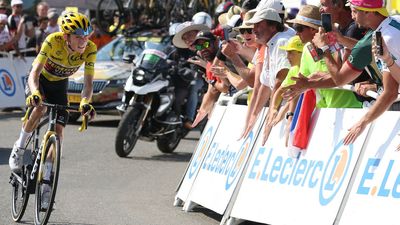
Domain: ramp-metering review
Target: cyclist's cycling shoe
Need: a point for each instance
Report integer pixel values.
(16, 159)
(45, 197)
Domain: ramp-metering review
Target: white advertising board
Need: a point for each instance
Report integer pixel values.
(11, 89)
(281, 190)
(224, 162)
(200, 151)
(375, 195)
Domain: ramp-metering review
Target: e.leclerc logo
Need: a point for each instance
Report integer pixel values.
(7, 83)
(224, 161)
(335, 172)
(201, 150)
(277, 169)
(240, 161)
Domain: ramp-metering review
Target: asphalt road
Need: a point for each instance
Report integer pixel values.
(98, 187)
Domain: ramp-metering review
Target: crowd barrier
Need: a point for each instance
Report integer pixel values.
(329, 183)
(13, 71)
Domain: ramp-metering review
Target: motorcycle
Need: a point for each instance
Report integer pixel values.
(148, 102)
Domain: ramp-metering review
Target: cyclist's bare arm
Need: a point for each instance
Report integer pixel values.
(88, 86)
(33, 79)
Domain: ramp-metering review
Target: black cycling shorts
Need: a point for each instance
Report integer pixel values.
(54, 92)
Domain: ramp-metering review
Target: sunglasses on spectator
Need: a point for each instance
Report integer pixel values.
(244, 30)
(202, 46)
(299, 28)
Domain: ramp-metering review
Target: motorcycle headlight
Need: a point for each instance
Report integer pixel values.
(139, 77)
(140, 72)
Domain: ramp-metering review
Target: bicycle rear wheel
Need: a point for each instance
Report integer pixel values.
(20, 196)
(46, 189)
(20, 193)
(106, 11)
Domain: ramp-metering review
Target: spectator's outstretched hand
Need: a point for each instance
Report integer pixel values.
(198, 61)
(249, 127)
(294, 90)
(201, 114)
(354, 132)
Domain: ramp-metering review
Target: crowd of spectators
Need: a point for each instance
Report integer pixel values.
(256, 46)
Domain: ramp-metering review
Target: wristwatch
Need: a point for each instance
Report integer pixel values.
(289, 114)
(324, 48)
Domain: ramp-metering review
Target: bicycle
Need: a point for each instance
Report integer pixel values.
(30, 179)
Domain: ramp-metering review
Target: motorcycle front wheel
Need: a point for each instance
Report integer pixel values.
(127, 134)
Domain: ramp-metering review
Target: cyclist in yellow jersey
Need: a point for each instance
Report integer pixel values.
(61, 55)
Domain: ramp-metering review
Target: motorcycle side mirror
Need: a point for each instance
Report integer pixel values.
(128, 58)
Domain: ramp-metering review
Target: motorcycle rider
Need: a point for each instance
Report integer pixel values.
(182, 78)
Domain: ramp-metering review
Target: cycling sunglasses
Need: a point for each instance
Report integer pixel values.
(80, 31)
(244, 30)
(202, 46)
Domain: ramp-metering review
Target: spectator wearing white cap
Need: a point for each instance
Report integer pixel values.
(280, 8)
(5, 37)
(3, 7)
(268, 28)
(14, 21)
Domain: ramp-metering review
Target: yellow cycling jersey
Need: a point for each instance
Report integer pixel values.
(58, 63)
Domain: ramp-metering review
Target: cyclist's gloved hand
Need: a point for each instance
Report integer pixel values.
(35, 99)
(88, 113)
(86, 108)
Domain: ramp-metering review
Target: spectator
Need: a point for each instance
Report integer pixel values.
(294, 50)
(269, 30)
(15, 19)
(5, 37)
(207, 45)
(52, 26)
(3, 7)
(329, 98)
(373, 15)
(347, 34)
(98, 36)
(40, 32)
(249, 50)
(42, 9)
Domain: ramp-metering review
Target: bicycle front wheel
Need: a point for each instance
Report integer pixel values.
(47, 180)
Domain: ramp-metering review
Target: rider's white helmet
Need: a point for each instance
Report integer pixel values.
(172, 28)
(202, 18)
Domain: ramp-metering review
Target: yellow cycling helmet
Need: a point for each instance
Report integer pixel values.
(75, 23)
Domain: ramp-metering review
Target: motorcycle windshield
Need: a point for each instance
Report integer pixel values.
(153, 55)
